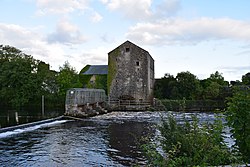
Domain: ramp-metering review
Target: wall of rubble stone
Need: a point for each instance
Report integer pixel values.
(130, 73)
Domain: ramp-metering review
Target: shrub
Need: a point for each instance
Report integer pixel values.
(238, 116)
(193, 105)
(190, 145)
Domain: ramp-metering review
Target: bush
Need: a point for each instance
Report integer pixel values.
(238, 116)
(190, 145)
(193, 105)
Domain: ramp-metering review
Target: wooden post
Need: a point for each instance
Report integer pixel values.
(16, 116)
(42, 105)
(8, 117)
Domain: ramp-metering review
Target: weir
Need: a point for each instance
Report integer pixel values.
(84, 102)
(2, 130)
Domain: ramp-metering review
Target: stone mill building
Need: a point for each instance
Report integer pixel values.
(130, 73)
(128, 80)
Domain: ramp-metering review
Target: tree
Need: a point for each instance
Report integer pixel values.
(17, 76)
(67, 78)
(212, 91)
(218, 78)
(165, 87)
(47, 79)
(215, 87)
(188, 85)
(246, 79)
(238, 116)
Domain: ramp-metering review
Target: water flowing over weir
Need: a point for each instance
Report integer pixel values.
(111, 139)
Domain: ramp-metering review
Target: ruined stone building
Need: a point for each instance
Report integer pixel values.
(130, 73)
(128, 80)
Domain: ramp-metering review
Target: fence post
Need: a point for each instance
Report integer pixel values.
(42, 105)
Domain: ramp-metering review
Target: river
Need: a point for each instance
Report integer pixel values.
(112, 139)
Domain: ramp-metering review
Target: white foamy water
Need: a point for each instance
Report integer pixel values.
(31, 128)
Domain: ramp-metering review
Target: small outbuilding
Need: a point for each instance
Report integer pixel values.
(83, 102)
(94, 76)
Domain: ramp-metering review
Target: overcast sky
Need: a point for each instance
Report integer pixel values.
(199, 36)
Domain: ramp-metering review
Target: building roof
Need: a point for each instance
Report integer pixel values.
(128, 42)
(97, 70)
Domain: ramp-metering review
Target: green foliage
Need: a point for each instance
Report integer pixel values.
(246, 79)
(238, 116)
(193, 105)
(185, 85)
(46, 80)
(112, 67)
(188, 85)
(84, 79)
(190, 145)
(67, 78)
(18, 82)
(212, 90)
(218, 78)
(166, 87)
(214, 87)
(100, 81)
(23, 80)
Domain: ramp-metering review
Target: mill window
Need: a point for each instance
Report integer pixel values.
(127, 49)
(137, 63)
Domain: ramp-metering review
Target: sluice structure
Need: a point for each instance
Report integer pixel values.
(84, 102)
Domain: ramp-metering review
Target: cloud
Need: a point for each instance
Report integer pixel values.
(167, 8)
(66, 33)
(107, 38)
(181, 31)
(8, 32)
(95, 56)
(143, 9)
(244, 52)
(95, 17)
(66, 8)
(60, 7)
(235, 72)
(31, 42)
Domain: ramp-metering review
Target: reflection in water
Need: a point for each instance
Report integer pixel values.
(107, 140)
(124, 139)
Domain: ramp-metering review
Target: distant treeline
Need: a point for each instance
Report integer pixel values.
(186, 92)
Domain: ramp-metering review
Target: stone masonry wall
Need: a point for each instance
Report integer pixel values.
(132, 70)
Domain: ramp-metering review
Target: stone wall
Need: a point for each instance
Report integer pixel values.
(130, 73)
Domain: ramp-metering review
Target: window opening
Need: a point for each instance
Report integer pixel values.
(127, 49)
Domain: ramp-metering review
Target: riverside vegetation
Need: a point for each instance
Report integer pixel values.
(192, 144)
(23, 80)
(189, 144)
